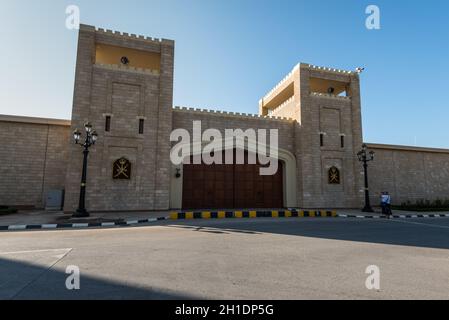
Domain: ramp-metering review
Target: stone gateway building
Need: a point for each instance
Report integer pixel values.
(124, 88)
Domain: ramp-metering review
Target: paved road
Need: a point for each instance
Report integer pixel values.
(232, 259)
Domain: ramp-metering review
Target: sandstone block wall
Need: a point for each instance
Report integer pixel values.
(408, 173)
(33, 159)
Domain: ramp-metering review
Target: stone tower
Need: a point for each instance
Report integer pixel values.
(326, 104)
(124, 88)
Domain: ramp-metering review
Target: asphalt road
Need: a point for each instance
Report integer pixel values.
(232, 259)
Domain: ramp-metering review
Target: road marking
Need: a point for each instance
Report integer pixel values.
(80, 225)
(33, 251)
(59, 257)
(49, 226)
(108, 224)
(15, 227)
(422, 224)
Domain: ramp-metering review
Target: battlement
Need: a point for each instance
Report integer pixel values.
(116, 67)
(125, 35)
(284, 104)
(329, 96)
(326, 69)
(280, 83)
(286, 79)
(230, 114)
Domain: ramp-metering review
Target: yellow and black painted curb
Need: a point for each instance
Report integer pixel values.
(187, 215)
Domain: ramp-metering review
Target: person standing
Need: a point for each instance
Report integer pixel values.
(388, 204)
(383, 202)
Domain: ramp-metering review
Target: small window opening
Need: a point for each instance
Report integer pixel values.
(321, 139)
(342, 141)
(141, 125)
(107, 124)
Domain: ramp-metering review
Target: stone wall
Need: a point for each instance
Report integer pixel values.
(409, 173)
(33, 159)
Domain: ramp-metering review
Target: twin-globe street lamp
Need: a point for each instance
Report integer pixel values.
(91, 138)
(366, 157)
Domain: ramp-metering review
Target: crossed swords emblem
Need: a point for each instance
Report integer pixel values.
(333, 176)
(121, 169)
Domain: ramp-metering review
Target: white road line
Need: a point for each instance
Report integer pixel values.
(49, 226)
(422, 224)
(59, 258)
(34, 251)
(108, 224)
(80, 225)
(23, 227)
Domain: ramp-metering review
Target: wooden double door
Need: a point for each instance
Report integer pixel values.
(229, 186)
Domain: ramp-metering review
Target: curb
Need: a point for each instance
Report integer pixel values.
(215, 215)
(406, 216)
(252, 214)
(115, 223)
(177, 216)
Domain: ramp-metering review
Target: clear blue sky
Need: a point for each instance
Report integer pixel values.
(229, 53)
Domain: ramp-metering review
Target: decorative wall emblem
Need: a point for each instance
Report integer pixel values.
(121, 169)
(124, 61)
(334, 175)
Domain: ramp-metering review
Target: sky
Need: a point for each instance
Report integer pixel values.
(230, 53)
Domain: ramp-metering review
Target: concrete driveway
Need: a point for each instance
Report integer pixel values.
(232, 259)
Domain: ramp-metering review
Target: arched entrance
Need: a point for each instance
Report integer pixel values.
(287, 171)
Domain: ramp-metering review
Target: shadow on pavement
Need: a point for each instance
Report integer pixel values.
(25, 281)
(373, 231)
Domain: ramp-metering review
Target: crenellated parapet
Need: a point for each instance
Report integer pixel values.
(230, 114)
(117, 67)
(125, 35)
(281, 107)
(287, 79)
(330, 96)
(326, 69)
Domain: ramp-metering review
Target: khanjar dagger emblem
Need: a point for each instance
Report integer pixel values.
(334, 175)
(122, 169)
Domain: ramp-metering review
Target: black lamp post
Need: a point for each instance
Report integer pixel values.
(91, 138)
(365, 157)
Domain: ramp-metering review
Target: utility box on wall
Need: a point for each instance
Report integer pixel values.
(54, 200)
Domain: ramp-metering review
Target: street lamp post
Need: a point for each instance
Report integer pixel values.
(91, 138)
(366, 157)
